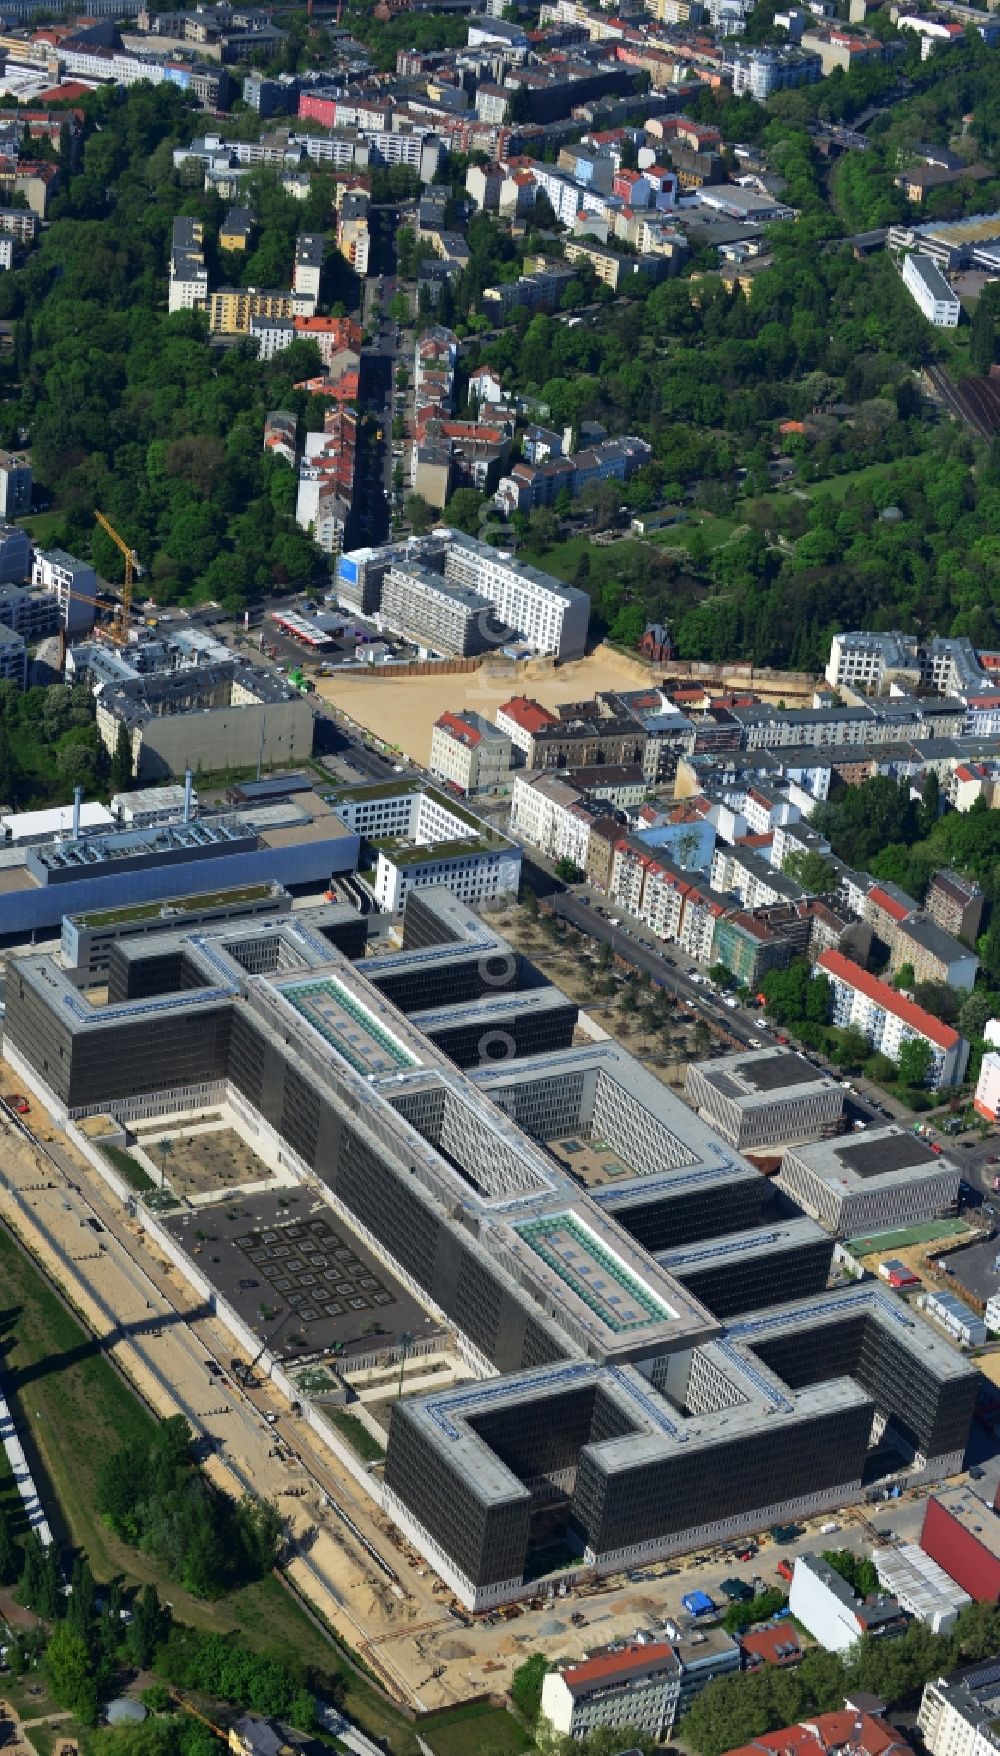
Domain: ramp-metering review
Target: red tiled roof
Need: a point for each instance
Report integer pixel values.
(57, 94)
(764, 1643)
(460, 729)
(863, 1733)
(897, 911)
(345, 329)
(530, 715)
(605, 1665)
(835, 964)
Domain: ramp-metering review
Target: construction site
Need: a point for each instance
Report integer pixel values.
(346, 1558)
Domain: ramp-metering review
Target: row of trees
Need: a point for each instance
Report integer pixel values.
(801, 1000)
(215, 1665)
(734, 1711)
(154, 1497)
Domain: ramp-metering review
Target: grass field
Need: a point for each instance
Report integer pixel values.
(76, 1410)
(129, 1168)
(838, 487)
(40, 525)
(479, 1730)
(357, 1435)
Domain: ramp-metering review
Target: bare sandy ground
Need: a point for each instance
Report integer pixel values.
(402, 710)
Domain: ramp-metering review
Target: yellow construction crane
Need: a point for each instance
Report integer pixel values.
(175, 1695)
(119, 631)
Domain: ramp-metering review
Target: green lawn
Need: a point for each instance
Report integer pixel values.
(356, 1433)
(561, 559)
(479, 1730)
(838, 487)
(41, 525)
(925, 1233)
(129, 1168)
(713, 531)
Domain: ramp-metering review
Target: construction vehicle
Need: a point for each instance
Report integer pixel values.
(119, 630)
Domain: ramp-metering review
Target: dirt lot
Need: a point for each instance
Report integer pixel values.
(402, 710)
(209, 1161)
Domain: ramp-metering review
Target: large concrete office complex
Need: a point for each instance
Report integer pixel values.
(871, 1181)
(532, 1203)
(764, 1098)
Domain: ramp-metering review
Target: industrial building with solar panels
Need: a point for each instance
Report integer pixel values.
(654, 1357)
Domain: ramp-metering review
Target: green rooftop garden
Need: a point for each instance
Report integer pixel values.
(147, 911)
(589, 1255)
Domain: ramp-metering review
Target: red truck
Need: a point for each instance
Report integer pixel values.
(785, 1569)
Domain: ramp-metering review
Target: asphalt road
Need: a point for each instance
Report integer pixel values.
(636, 948)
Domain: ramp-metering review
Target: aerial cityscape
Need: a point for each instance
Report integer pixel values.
(500, 878)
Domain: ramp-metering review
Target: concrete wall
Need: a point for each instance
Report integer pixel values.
(225, 737)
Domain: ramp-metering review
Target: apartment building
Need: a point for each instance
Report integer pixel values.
(230, 309)
(588, 743)
(332, 336)
(520, 718)
(434, 359)
(958, 1713)
(439, 615)
(889, 1020)
(73, 583)
(987, 1098)
(187, 288)
(552, 617)
(886, 906)
(13, 657)
(552, 814)
(740, 872)
(871, 662)
(271, 335)
(831, 1611)
(236, 230)
(15, 485)
(933, 954)
(425, 838)
(758, 73)
(19, 224)
(633, 1686)
(929, 290)
(310, 248)
(469, 753)
(956, 904)
(353, 234)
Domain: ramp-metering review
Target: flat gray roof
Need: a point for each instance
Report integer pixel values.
(850, 1161)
